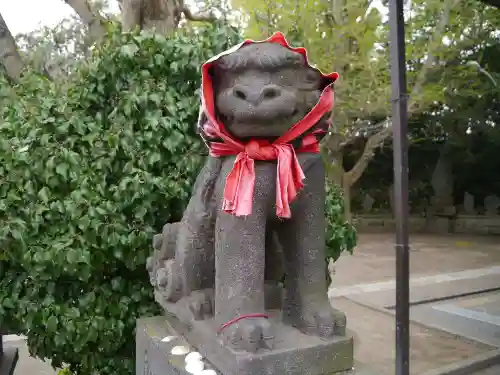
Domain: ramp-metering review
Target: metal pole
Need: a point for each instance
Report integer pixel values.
(400, 149)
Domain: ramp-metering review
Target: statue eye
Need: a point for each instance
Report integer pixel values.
(312, 75)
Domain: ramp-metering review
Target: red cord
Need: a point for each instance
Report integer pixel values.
(232, 321)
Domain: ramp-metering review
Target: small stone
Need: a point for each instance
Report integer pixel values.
(469, 207)
(193, 357)
(168, 338)
(179, 350)
(195, 367)
(491, 204)
(368, 202)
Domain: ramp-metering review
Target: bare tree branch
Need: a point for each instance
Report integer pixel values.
(54, 71)
(373, 143)
(9, 54)
(93, 21)
(199, 17)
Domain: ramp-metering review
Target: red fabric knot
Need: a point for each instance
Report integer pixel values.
(240, 183)
(260, 150)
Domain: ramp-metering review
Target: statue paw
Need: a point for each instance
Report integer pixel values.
(318, 319)
(248, 335)
(197, 306)
(168, 281)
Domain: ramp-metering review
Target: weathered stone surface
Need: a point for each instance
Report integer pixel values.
(217, 267)
(295, 353)
(155, 340)
(442, 183)
(368, 202)
(477, 224)
(491, 205)
(462, 224)
(469, 204)
(390, 195)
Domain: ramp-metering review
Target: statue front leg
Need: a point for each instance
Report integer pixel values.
(239, 280)
(306, 305)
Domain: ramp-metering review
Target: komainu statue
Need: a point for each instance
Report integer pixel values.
(257, 210)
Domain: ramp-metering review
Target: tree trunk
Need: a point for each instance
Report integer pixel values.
(443, 184)
(335, 168)
(377, 140)
(374, 142)
(161, 15)
(94, 21)
(9, 55)
(346, 188)
(337, 175)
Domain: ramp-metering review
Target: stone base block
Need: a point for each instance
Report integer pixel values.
(8, 360)
(294, 353)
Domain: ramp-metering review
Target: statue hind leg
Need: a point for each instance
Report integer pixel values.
(186, 280)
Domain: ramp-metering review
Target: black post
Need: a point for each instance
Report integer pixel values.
(400, 147)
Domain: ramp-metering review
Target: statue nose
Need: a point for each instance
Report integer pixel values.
(256, 95)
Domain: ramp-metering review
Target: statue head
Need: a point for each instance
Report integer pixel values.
(262, 89)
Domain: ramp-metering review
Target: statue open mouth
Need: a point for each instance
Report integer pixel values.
(266, 124)
(267, 116)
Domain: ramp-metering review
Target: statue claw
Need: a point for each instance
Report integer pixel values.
(249, 335)
(318, 319)
(198, 305)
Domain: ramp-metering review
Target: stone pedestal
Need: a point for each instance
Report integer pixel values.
(294, 352)
(8, 361)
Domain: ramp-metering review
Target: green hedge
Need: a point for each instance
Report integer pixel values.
(340, 235)
(90, 169)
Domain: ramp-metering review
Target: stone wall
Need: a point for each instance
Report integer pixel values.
(439, 216)
(461, 224)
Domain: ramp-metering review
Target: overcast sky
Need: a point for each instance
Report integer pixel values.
(24, 16)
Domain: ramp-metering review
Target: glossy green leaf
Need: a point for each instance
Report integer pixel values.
(87, 179)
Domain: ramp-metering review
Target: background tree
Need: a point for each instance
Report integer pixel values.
(351, 38)
(164, 16)
(462, 126)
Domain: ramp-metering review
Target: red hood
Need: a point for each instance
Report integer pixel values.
(324, 105)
